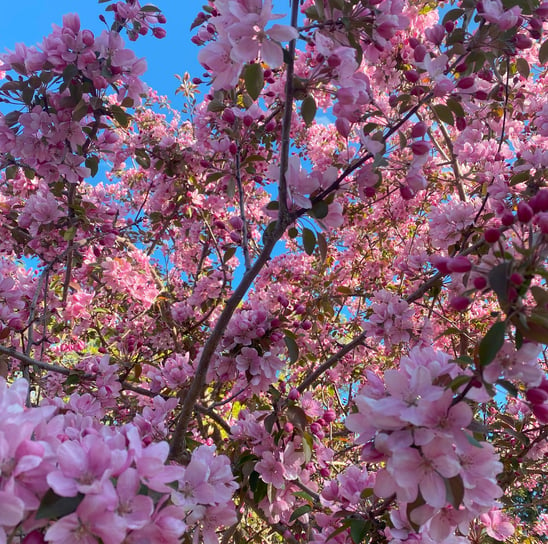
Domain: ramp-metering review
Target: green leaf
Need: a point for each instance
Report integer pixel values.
(69, 234)
(491, 343)
(452, 15)
(254, 80)
(151, 8)
(543, 53)
(523, 67)
(320, 9)
(308, 109)
(53, 506)
(300, 511)
(122, 117)
(11, 171)
(304, 495)
(309, 241)
(322, 246)
(455, 491)
(509, 386)
(456, 107)
(12, 118)
(444, 113)
(292, 348)
(498, 280)
(320, 209)
(258, 486)
(142, 158)
(358, 530)
(229, 253)
(308, 446)
(520, 177)
(92, 162)
(72, 379)
(459, 381)
(297, 416)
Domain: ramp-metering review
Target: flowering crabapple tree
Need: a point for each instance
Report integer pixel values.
(311, 307)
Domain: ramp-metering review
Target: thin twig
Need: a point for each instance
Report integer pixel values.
(245, 244)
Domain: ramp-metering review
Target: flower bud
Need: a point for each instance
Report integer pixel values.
(412, 76)
(236, 222)
(525, 212)
(465, 82)
(491, 235)
(459, 303)
(419, 130)
(459, 264)
(293, 394)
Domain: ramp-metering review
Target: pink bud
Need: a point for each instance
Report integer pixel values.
(460, 123)
(299, 309)
(435, 34)
(228, 116)
(35, 537)
(491, 235)
(441, 263)
(541, 412)
(459, 264)
(236, 237)
(522, 41)
(413, 42)
(480, 282)
(248, 120)
(507, 218)
(333, 61)
(420, 52)
(406, 192)
(412, 76)
(233, 148)
(288, 427)
(315, 429)
(293, 394)
(343, 126)
(516, 278)
(420, 147)
(159, 32)
(539, 203)
(306, 325)
(329, 415)
(459, 303)
(525, 212)
(419, 130)
(536, 395)
(236, 222)
(87, 38)
(465, 82)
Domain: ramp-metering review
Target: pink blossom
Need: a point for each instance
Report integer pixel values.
(497, 525)
(271, 470)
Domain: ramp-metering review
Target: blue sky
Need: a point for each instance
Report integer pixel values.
(28, 21)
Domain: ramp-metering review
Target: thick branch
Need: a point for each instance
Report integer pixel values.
(286, 124)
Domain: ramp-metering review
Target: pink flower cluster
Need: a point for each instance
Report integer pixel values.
(48, 139)
(391, 319)
(412, 423)
(70, 478)
(244, 357)
(239, 34)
